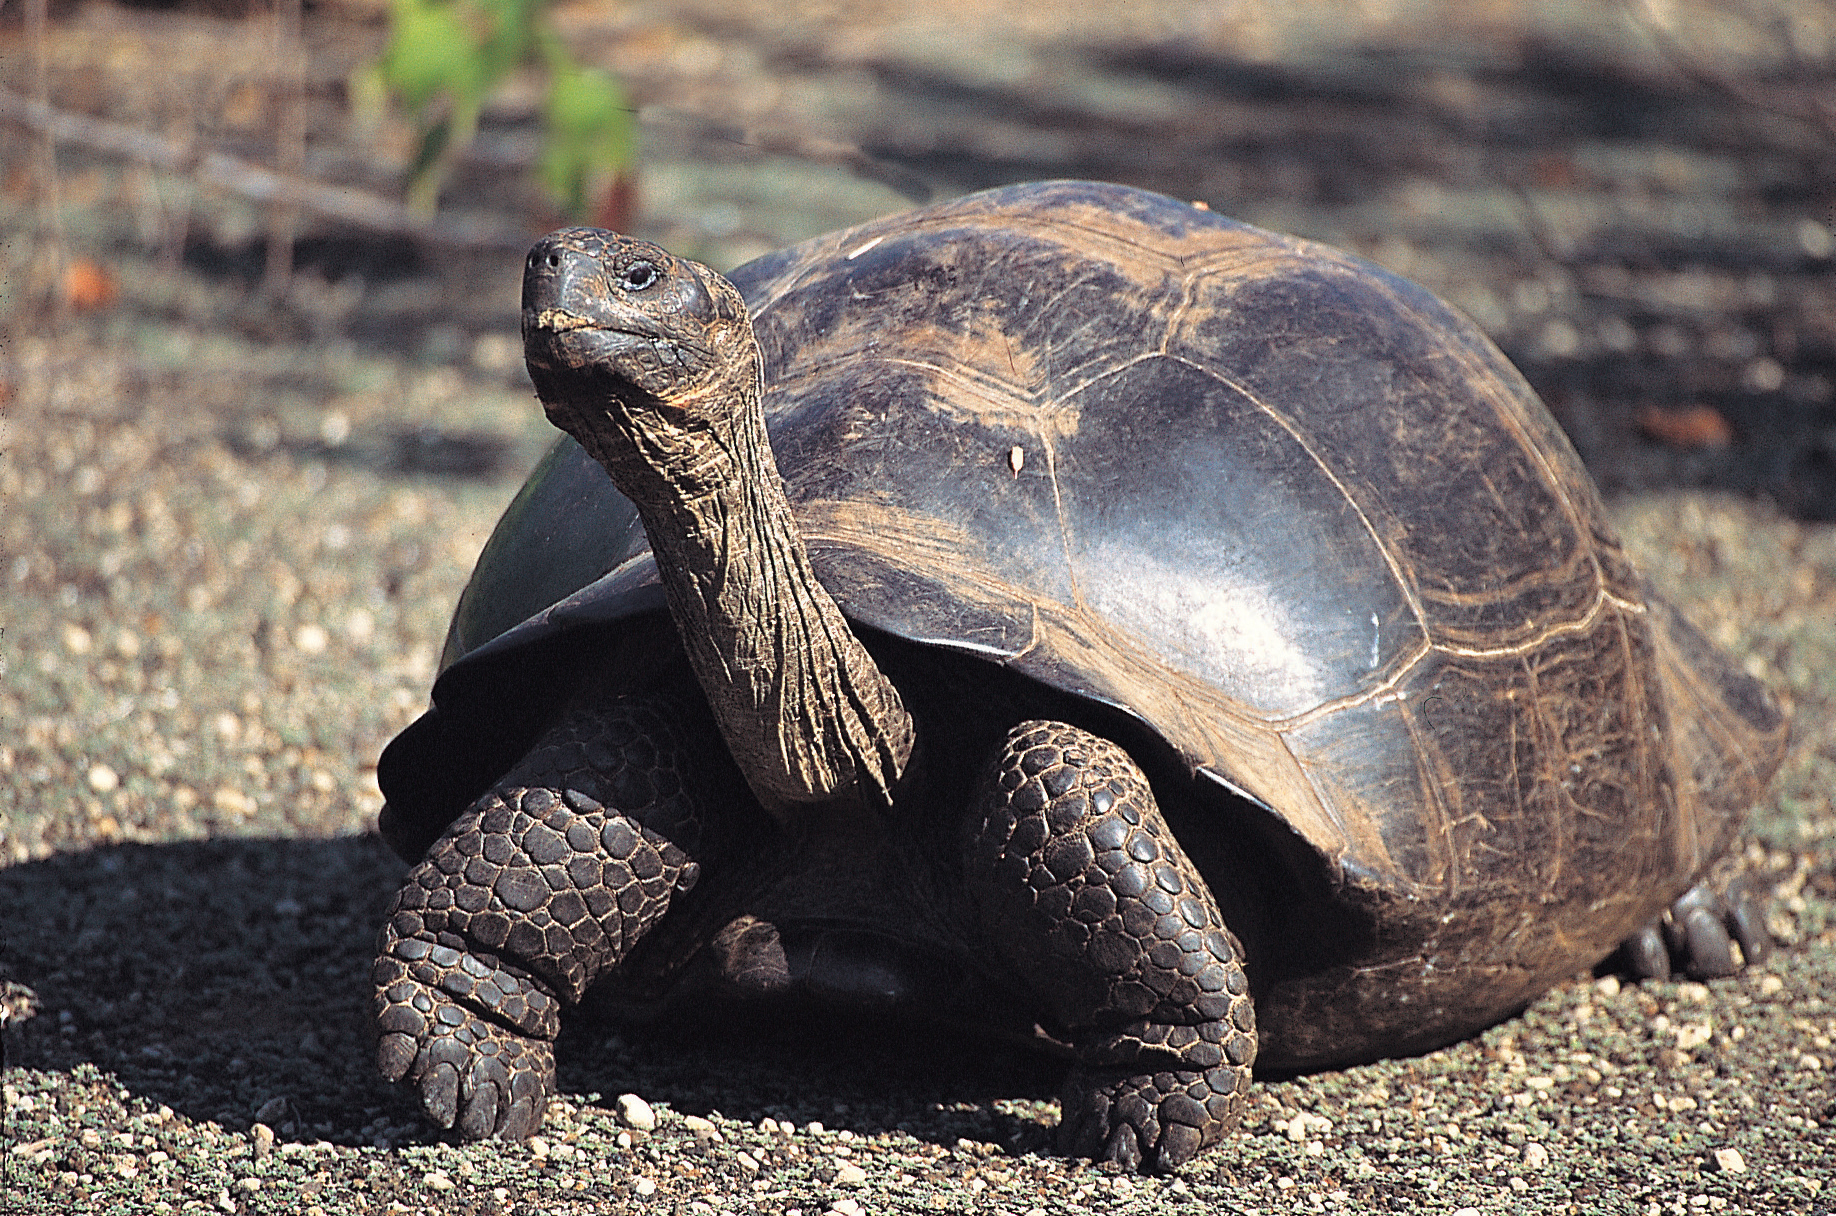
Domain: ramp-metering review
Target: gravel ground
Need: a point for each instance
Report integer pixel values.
(231, 531)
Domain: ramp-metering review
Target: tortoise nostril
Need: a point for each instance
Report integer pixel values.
(554, 259)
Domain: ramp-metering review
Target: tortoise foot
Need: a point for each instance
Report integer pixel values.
(1085, 892)
(1697, 935)
(1152, 1122)
(484, 1079)
(526, 899)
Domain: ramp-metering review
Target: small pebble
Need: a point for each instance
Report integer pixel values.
(849, 1174)
(845, 1207)
(1729, 1161)
(703, 1129)
(1536, 1157)
(635, 1113)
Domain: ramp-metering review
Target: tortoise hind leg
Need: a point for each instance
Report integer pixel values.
(543, 884)
(1697, 935)
(1081, 889)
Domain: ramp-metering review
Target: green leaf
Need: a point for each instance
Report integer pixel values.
(433, 53)
(589, 136)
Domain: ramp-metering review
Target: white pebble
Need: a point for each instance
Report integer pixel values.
(635, 1113)
(103, 779)
(1817, 240)
(850, 1174)
(1536, 1157)
(1729, 1161)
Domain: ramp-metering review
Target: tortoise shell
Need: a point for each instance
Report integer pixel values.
(1285, 510)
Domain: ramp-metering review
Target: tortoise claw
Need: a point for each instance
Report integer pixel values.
(1124, 1148)
(481, 1077)
(1644, 954)
(1146, 1123)
(1747, 920)
(483, 1103)
(395, 1055)
(440, 1094)
(1697, 934)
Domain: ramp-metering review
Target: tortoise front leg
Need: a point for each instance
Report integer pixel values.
(543, 884)
(1082, 889)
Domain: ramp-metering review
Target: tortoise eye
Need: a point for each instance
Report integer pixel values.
(638, 276)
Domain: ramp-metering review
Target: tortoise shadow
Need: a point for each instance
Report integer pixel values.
(227, 978)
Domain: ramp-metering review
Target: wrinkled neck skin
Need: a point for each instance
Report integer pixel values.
(809, 717)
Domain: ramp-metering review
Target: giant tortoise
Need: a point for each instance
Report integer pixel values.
(1062, 610)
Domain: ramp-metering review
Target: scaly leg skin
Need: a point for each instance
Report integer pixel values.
(543, 884)
(1084, 892)
(1696, 936)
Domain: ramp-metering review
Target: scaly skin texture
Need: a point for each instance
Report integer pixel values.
(649, 361)
(546, 881)
(1084, 891)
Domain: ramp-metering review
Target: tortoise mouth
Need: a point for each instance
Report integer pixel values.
(558, 338)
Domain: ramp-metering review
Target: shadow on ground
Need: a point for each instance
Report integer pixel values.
(229, 978)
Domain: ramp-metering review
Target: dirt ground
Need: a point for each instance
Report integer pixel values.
(233, 523)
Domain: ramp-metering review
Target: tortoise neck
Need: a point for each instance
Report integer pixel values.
(808, 715)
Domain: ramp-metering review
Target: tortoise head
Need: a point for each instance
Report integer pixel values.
(650, 362)
(640, 355)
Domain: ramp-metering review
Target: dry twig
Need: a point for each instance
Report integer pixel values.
(345, 204)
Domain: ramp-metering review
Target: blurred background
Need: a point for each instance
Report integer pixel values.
(1636, 199)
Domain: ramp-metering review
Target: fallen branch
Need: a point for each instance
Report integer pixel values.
(345, 204)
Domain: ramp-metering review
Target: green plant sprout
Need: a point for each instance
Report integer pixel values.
(446, 57)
